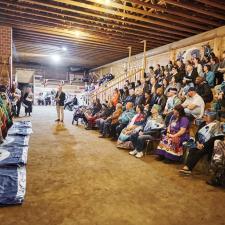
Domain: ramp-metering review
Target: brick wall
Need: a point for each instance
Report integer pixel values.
(5, 54)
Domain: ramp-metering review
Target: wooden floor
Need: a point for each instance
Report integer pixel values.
(74, 178)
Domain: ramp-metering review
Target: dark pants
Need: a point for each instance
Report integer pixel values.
(100, 124)
(119, 128)
(28, 107)
(195, 154)
(78, 116)
(18, 107)
(41, 102)
(106, 127)
(69, 104)
(138, 141)
(48, 101)
(113, 130)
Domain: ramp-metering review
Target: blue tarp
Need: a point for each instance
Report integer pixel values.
(21, 128)
(20, 131)
(12, 185)
(16, 140)
(13, 156)
(22, 124)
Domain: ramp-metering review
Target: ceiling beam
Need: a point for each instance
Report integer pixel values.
(57, 31)
(175, 12)
(48, 8)
(90, 27)
(95, 9)
(124, 15)
(154, 15)
(219, 5)
(66, 17)
(127, 30)
(196, 8)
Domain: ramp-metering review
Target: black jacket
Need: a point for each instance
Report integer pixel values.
(205, 92)
(75, 102)
(61, 97)
(190, 78)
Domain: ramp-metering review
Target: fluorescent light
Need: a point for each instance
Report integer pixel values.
(64, 48)
(107, 2)
(77, 33)
(55, 58)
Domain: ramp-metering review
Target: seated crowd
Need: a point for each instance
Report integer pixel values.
(163, 107)
(104, 80)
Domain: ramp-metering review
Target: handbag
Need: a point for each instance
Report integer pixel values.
(125, 145)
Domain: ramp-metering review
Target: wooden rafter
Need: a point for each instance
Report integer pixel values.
(41, 27)
(195, 9)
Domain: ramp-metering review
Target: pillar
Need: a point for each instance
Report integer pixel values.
(144, 59)
(5, 55)
(129, 60)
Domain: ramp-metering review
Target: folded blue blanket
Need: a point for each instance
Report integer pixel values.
(13, 156)
(20, 131)
(12, 185)
(22, 124)
(17, 140)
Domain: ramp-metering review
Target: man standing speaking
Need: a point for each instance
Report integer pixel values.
(60, 98)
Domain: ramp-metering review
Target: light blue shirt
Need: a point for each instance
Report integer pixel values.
(210, 76)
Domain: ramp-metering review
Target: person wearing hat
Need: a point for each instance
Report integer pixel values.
(171, 102)
(194, 105)
(208, 132)
(151, 131)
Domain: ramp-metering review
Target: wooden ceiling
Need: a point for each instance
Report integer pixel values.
(96, 32)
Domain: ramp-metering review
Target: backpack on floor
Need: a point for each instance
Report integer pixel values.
(217, 167)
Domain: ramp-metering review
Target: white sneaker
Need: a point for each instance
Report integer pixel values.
(139, 154)
(134, 152)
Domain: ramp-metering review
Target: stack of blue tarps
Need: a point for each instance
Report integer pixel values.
(13, 158)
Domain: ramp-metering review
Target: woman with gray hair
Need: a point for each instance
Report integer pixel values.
(208, 132)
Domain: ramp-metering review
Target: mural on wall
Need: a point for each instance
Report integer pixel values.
(195, 52)
(181, 55)
(208, 51)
